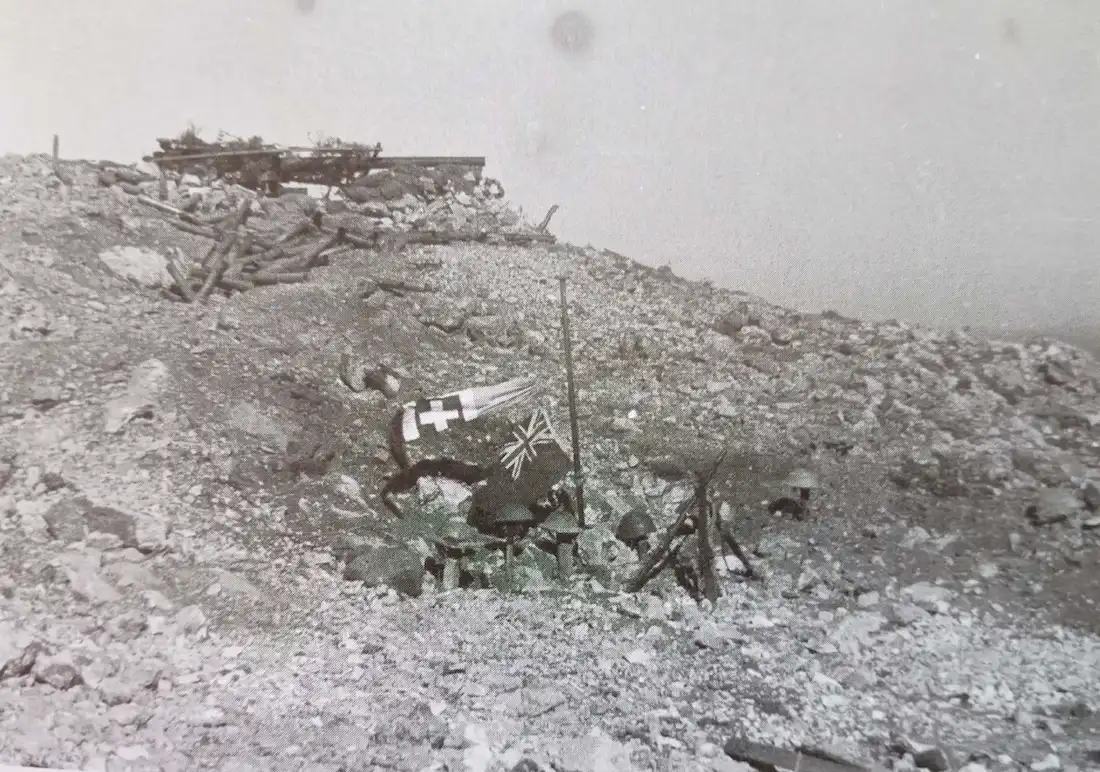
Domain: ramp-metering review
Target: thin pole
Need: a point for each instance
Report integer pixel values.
(56, 147)
(573, 424)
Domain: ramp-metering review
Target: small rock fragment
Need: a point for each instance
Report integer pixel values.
(932, 598)
(190, 619)
(1090, 494)
(211, 717)
(868, 599)
(1048, 763)
(1053, 505)
(57, 672)
(904, 614)
(115, 691)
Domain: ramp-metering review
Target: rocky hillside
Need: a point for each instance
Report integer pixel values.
(183, 487)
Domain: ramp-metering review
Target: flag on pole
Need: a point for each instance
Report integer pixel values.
(530, 463)
(523, 448)
(436, 415)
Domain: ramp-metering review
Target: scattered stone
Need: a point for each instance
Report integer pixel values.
(396, 567)
(915, 535)
(58, 672)
(255, 422)
(157, 602)
(115, 691)
(593, 753)
(190, 619)
(76, 519)
(856, 631)
(211, 717)
(89, 586)
(127, 626)
(931, 598)
(140, 398)
(1054, 505)
(235, 584)
(131, 753)
(934, 759)
(128, 574)
(905, 614)
(868, 600)
(1048, 763)
(710, 636)
(18, 650)
(128, 715)
(622, 425)
(1090, 495)
(143, 267)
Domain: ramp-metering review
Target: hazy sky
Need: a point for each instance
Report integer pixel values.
(925, 159)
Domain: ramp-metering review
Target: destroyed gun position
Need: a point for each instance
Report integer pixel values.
(264, 167)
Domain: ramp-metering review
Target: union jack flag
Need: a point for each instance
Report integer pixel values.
(528, 466)
(524, 446)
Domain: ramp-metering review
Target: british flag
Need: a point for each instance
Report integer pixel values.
(528, 465)
(525, 441)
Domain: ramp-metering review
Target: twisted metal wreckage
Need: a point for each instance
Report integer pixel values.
(257, 165)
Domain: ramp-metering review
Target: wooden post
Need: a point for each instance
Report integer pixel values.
(705, 553)
(546, 220)
(56, 148)
(573, 424)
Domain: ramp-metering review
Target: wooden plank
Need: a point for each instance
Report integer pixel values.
(427, 160)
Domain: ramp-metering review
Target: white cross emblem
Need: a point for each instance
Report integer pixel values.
(437, 416)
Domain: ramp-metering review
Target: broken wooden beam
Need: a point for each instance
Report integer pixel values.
(160, 206)
(240, 256)
(656, 559)
(708, 579)
(545, 238)
(237, 283)
(360, 240)
(262, 278)
(180, 279)
(182, 157)
(398, 287)
(198, 230)
(312, 259)
(427, 160)
(213, 277)
(546, 220)
(301, 229)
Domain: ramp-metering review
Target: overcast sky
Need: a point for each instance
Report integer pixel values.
(932, 160)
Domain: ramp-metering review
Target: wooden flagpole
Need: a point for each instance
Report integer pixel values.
(573, 424)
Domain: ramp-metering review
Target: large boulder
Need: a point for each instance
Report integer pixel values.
(73, 520)
(143, 267)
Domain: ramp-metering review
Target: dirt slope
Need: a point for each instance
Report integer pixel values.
(173, 478)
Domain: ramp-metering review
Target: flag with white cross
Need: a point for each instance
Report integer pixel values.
(435, 415)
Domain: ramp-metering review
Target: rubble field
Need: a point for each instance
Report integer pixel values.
(184, 481)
